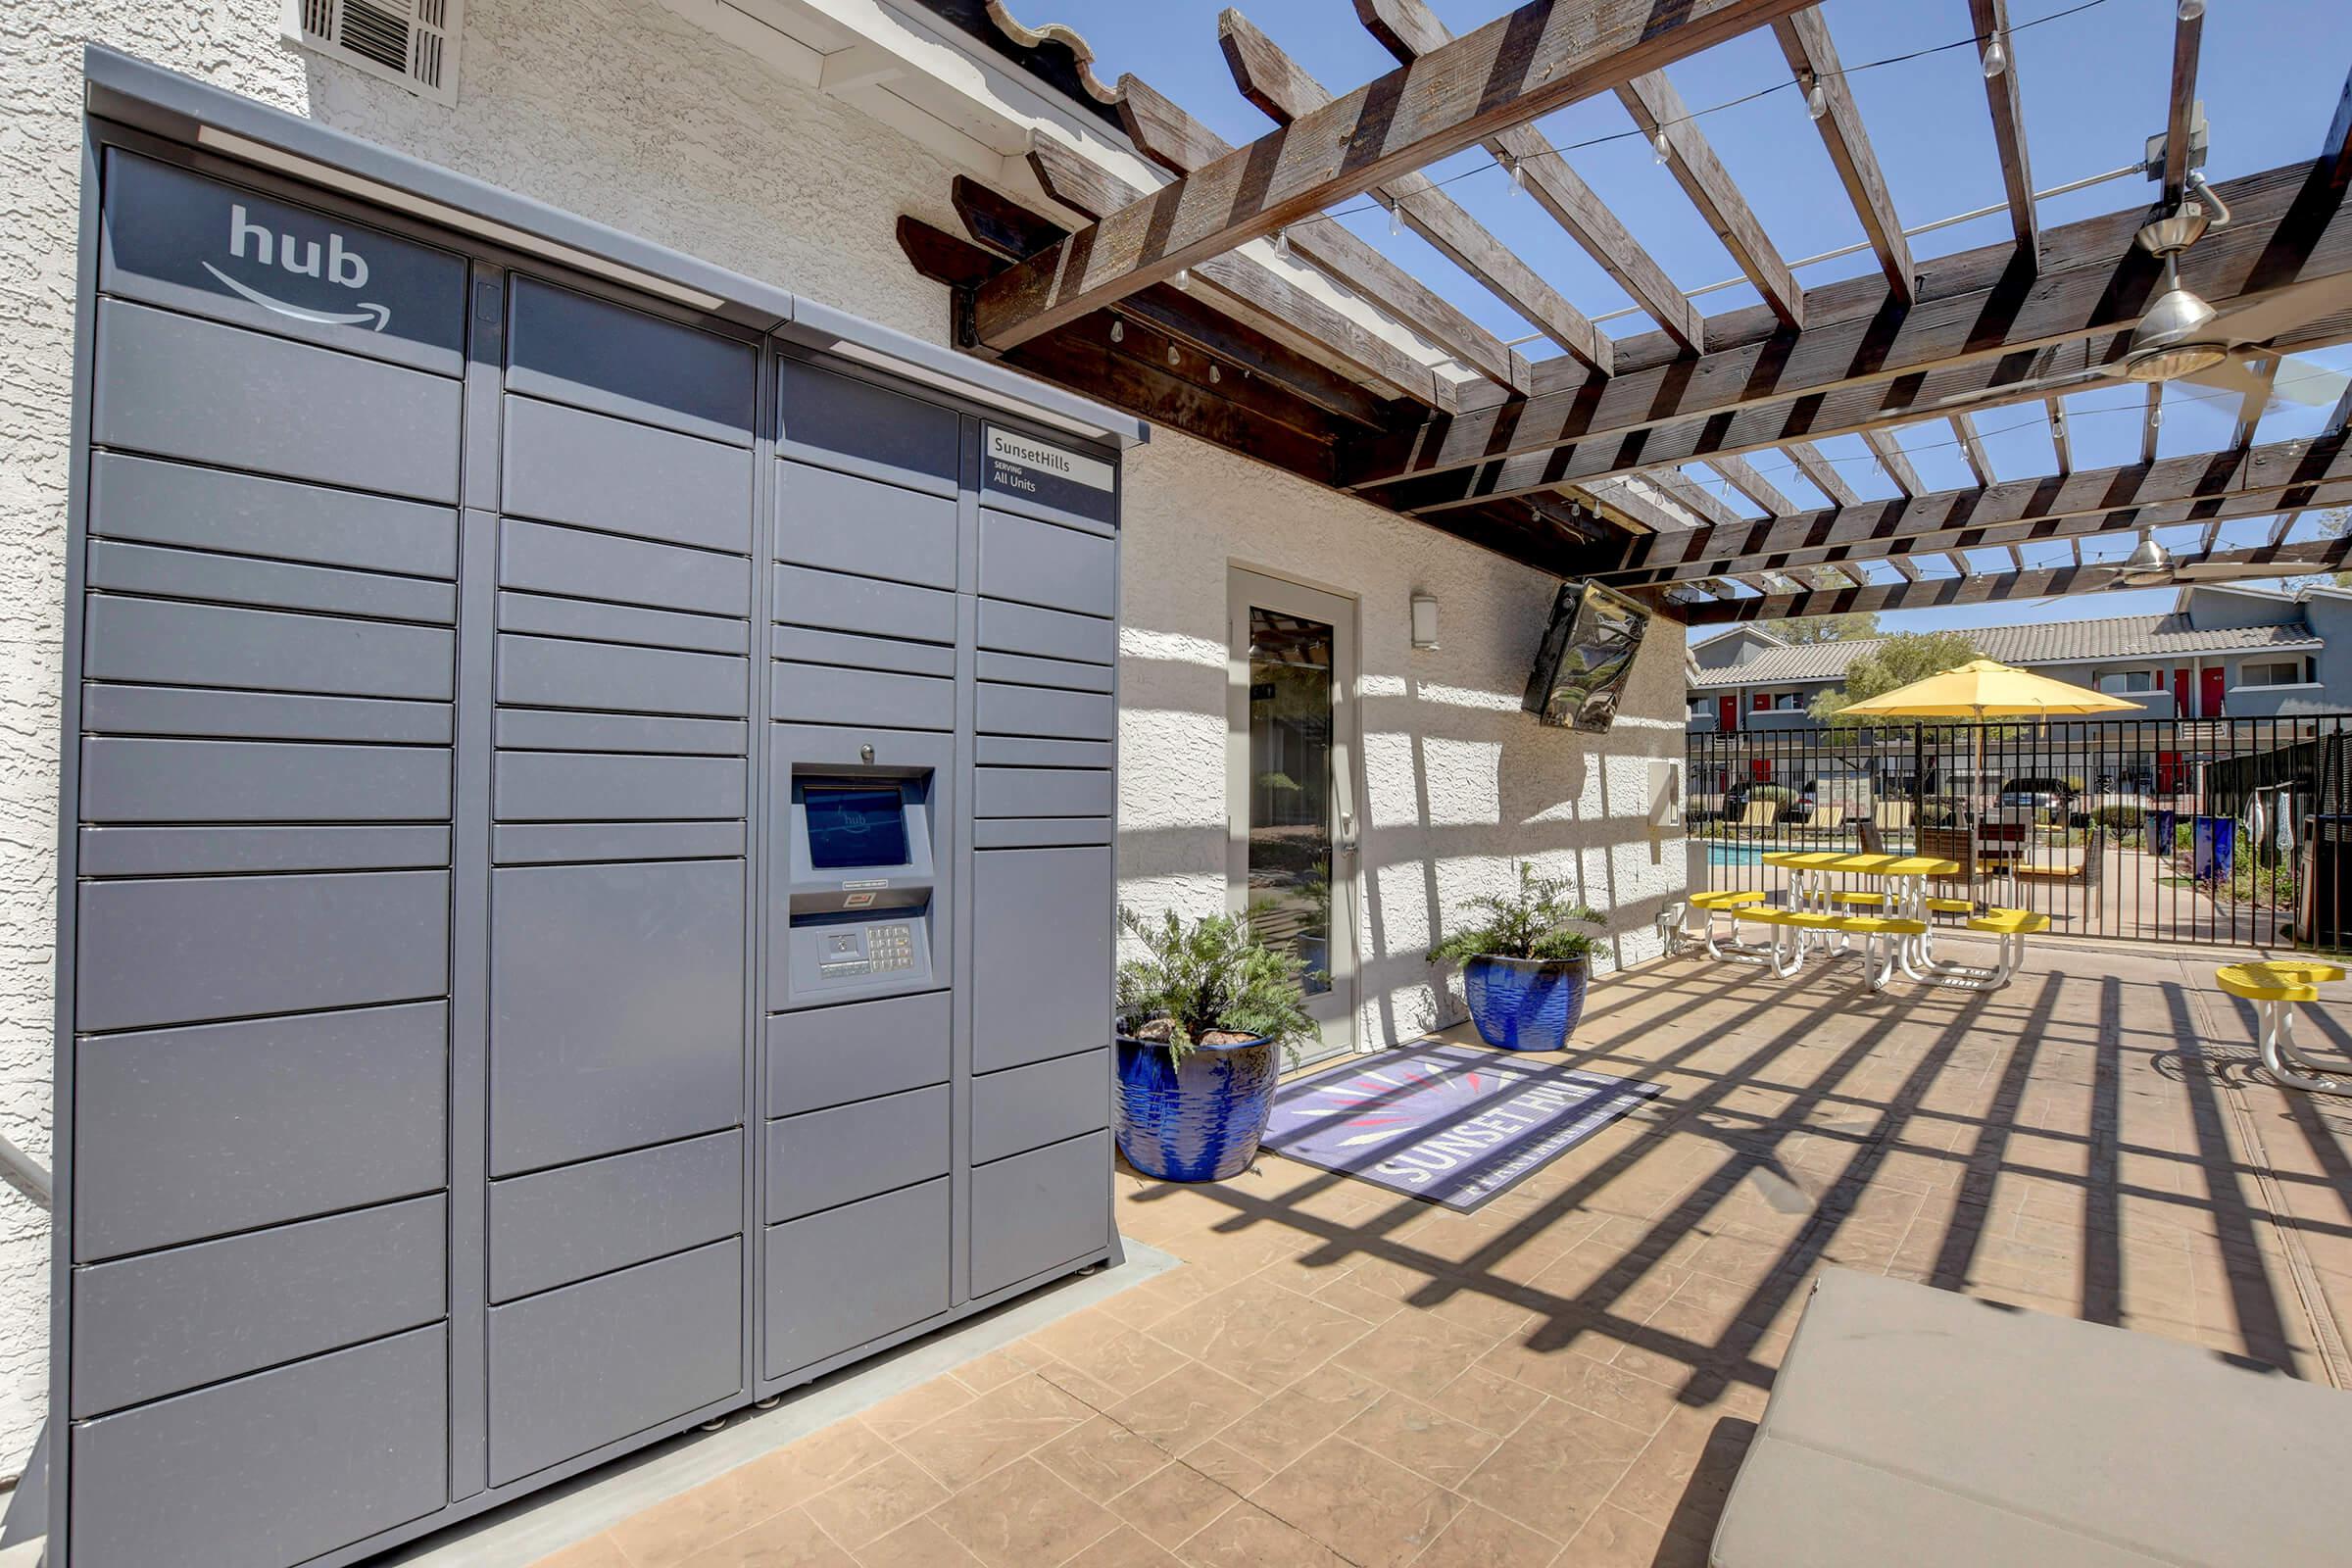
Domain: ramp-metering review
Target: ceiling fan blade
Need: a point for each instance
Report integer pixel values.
(2232, 376)
(2264, 317)
(2307, 381)
(2059, 385)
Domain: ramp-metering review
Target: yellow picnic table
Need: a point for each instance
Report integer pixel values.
(1906, 875)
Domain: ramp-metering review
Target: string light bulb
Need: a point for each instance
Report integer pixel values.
(2155, 415)
(1395, 217)
(2190, 10)
(1996, 58)
(1659, 151)
(1282, 243)
(1183, 278)
(1518, 175)
(1817, 97)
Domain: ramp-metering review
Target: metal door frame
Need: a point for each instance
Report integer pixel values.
(1246, 587)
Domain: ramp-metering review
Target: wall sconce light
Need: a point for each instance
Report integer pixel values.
(1425, 620)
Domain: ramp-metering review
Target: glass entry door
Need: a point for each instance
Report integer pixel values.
(1291, 806)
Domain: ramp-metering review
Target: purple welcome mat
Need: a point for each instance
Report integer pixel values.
(1453, 1123)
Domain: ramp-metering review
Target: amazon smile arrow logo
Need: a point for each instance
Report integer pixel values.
(336, 263)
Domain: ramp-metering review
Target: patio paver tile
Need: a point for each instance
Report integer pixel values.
(1370, 1510)
(1024, 1516)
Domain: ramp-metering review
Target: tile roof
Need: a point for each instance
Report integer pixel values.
(2116, 637)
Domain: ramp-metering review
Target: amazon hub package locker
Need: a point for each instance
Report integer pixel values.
(588, 889)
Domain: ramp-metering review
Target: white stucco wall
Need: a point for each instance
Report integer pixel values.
(627, 113)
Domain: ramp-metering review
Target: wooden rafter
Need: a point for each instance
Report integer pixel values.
(1804, 38)
(2193, 489)
(1169, 136)
(2249, 406)
(1283, 89)
(2339, 419)
(2151, 417)
(2336, 148)
(1658, 109)
(1972, 448)
(1822, 471)
(1748, 482)
(1692, 496)
(1077, 181)
(2002, 95)
(1892, 460)
(1994, 343)
(1409, 30)
(1544, 56)
(1975, 588)
(2189, 32)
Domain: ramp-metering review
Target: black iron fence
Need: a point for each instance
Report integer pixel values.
(2234, 832)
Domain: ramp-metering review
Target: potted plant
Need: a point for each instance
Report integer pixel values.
(1205, 1014)
(1524, 973)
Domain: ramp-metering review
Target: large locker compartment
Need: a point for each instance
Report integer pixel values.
(587, 877)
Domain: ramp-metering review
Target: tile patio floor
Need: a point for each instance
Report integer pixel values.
(1571, 1375)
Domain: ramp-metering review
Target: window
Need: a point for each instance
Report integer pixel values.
(2130, 683)
(2282, 673)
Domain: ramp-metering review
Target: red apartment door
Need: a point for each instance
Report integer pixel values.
(1727, 713)
(2180, 693)
(2209, 694)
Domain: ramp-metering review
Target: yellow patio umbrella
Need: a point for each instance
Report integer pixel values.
(1987, 688)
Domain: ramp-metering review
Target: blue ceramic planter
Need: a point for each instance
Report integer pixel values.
(1199, 1122)
(1526, 1004)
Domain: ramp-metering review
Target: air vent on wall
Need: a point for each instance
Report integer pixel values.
(413, 42)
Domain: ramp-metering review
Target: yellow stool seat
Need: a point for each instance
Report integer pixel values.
(1882, 925)
(2287, 980)
(1725, 900)
(1873, 901)
(1952, 906)
(2010, 922)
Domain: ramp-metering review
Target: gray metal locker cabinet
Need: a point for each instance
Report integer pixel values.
(259, 997)
(518, 724)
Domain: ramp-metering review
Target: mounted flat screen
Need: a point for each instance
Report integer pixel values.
(1588, 652)
(855, 827)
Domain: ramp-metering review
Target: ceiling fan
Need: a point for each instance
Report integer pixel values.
(2183, 338)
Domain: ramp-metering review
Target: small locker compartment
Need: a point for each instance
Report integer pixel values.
(1025, 1108)
(840, 1277)
(1036, 1211)
(824, 1057)
(822, 1159)
(554, 1227)
(574, 1369)
(1039, 916)
(269, 1470)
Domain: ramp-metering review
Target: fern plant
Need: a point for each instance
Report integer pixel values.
(1529, 923)
(1210, 976)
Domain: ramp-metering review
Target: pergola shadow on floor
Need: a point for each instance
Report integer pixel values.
(1572, 1373)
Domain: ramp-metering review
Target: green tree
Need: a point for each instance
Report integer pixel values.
(2332, 525)
(1897, 661)
(1844, 629)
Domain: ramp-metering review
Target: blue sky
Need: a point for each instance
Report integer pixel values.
(2094, 85)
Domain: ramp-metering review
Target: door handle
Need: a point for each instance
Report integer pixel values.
(1346, 844)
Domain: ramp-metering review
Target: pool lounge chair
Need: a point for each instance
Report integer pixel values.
(1914, 1426)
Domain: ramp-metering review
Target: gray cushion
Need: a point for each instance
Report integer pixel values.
(1915, 1426)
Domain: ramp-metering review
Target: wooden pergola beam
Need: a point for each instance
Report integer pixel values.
(1893, 459)
(1804, 40)
(2188, 34)
(1748, 482)
(1409, 30)
(1991, 343)
(1971, 448)
(2060, 442)
(1823, 472)
(2002, 98)
(1975, 588)
(2201, 486)
(1658, 109)
(1170, 136)
(1284, 91)
(2151, 417)
(2336, 148)
(1544, 56)
(1692, 496)
(1077, 181)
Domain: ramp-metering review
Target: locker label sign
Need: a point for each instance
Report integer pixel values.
(1018, 464)
(180, 240)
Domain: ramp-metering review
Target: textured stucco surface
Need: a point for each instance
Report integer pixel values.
(625, 111)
